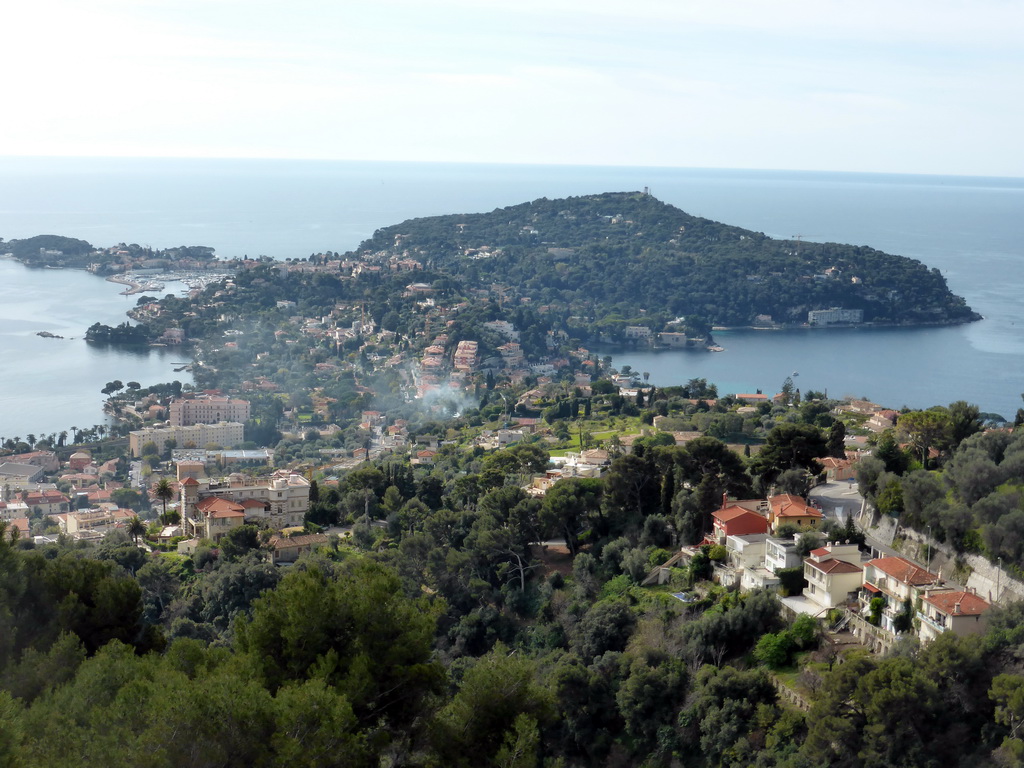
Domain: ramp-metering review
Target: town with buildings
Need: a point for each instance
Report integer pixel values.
(464, 458)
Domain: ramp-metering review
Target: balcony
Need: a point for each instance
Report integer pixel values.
(925, 619)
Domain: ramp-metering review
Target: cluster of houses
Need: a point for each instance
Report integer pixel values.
(210, 508)
(28, 488)
(590, 463)
(435, 373)
(877, 597)
(672, 339)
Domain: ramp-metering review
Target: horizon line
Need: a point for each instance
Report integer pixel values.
(510, 164)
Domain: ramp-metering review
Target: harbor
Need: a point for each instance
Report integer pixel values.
(137, 283)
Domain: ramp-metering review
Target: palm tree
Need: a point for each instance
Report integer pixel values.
(136, 528)
(165, 492)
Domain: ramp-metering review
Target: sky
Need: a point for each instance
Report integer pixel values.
(915, 86)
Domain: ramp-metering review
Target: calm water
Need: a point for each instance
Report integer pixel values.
(970, 228)
(49, 385)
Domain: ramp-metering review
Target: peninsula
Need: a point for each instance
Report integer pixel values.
(613, 267)
(614, 260)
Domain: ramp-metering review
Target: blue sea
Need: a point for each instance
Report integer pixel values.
(972, 229)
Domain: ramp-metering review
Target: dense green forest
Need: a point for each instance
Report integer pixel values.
(30, 249)
(124, 333)
(626, 254)
(61, 251)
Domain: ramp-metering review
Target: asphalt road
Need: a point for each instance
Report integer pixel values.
(836, 500)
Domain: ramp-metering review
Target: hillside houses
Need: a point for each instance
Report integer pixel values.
(833, 574)
(882, 596)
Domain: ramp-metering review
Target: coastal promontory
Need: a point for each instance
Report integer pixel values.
(615, 258)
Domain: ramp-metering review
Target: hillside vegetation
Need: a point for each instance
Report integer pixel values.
(628, 253)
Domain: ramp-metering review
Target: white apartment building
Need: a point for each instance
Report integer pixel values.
(225, 434)
(207, 409)
(835, 315)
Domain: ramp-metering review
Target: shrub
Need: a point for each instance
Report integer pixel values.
(774, 649)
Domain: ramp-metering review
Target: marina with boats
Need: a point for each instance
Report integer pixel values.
(137, 283)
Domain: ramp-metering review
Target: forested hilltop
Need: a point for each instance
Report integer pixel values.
(73, 253)
(623, 254)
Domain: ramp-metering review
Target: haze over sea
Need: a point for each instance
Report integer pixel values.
(969, 228)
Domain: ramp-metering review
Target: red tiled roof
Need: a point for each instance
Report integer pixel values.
(832, 461)
(47, 497)
(218, 507)
(903, 570)
(834, 565)
(733, 512)
(787, 505)
(947, 602)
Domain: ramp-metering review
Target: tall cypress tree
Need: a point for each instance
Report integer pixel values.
(668, 492)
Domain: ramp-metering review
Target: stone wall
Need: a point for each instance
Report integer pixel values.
(968, 570)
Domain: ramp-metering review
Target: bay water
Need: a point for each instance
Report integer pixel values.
(969, 228)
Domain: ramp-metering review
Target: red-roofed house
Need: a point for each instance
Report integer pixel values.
(753, 399)
(288, 549)
(736, 521)
(423, 458)
(211, 509)
(962, 613)
(833, 573)
(787, 509)
(837, 470)
(50, 502)
(21, 525)
(98, 496)
(882, 420)
(216, 517)
(79, 460)
(898, 581)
